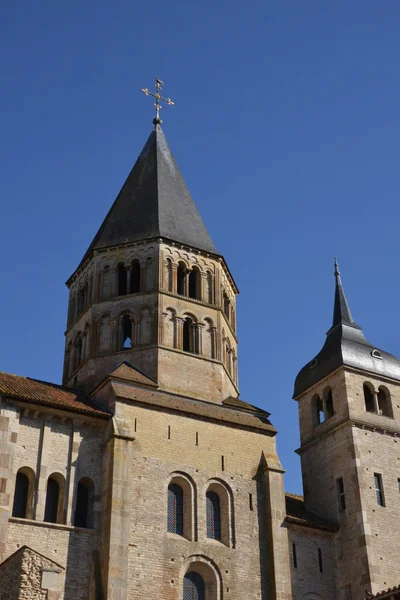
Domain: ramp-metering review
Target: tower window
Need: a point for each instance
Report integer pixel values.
(384, 403)
(84, 501)
(193, 587)
(320, 563)
(341, 495)
(294, 553)
(380, 498)
(126, 332)
(328, 397)
(376, 354)
(190, 341)
(175, 509)
(213, 515)
(181, 279)
(54, 499)
(317, 410)
(135, 277)
(195, 284)
(23, 494)
(398, 484)
(226, 305)
(122, 279)
(369, 398)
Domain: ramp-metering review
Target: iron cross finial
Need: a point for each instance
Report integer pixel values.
(158, 97)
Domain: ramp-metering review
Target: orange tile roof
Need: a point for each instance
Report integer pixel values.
(48, 394)
(393, 592)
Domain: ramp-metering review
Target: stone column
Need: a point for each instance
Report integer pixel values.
(179, 333)
(376, 403)
(115, 526)
(142, 275)
(200, 327)
(71, 473)
(43, 471)
(174, 278)
(128, 279)
(9, 428)
(203, 287)
(273, 513)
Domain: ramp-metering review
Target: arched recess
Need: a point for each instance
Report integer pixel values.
(209, 288)
(122, 279)
(181, 276)
(54, 507)
(216, 487)
(145, 326)
(149, 274)
(126, 341)
(317, 409)
(190, 335)
(369, 397)
(104, 333)
(169, 333)
(384, 402)
(83, 516)
(196, 567)
(105, 282)
(188, 511)
(328, 401)
(209, 339)
(168, 275)
(134, 283)
(23, 493)
(195, 284)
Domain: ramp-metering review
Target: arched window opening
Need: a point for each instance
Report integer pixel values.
(148, 274)
(384, 403)
(210, 290)
(105, 282)
(193, 587)
(23, 493)
(195, 284)
(122, 279)
(169, 275)
(126, 332)
(369, 399)
(190, 336)
(135, 277)
(175, 509)
(328, 397)
(81, 301)
(84, 503)
(226, 305)
(54, 499)
(213, 515)
(317, 410)
(79, 350)
(181, 279)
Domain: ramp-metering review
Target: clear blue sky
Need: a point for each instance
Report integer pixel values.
(286, 128)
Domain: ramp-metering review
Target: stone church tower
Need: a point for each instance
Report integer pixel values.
(349, 411)
(144, 475)
(153, 290)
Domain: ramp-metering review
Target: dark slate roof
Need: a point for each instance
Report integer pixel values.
(47, 394)
(297, 514)
(345, 345)
(153, 202)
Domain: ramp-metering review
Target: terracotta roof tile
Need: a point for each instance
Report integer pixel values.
(48, 394)
(393, 592)
(297, 514)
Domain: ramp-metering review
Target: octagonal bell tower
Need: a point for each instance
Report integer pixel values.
(153, 291)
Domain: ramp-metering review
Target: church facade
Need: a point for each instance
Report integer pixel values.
(144, 476)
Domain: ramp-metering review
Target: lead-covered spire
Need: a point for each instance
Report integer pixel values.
(341, 309)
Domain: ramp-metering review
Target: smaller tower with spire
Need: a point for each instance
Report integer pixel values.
(349, 411)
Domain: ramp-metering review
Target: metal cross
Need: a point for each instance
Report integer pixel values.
(158, 97)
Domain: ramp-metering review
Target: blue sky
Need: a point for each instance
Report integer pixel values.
(286, 128)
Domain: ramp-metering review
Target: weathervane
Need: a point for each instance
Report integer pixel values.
(158, 97)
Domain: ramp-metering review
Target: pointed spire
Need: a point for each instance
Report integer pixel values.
(341, 309)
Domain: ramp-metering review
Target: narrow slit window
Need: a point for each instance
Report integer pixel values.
(222, 463)
(320, 563)
(251, 501)
(380, 499)
(341, 494)
(294, 552)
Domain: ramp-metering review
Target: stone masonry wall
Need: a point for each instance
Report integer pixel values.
(306, 576)
(170, 445)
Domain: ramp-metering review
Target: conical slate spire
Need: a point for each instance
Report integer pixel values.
(154, 202)
(341, 309)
